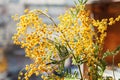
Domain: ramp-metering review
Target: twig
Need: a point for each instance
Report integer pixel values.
(113, 66)
(80, 72)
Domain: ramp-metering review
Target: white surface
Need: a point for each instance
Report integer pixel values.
(110, 73)
(3, 75)
(42, 1)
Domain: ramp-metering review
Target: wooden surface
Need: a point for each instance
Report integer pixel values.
(101, 10)
(3, 62)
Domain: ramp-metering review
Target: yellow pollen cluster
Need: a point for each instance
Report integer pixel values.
(77, 31)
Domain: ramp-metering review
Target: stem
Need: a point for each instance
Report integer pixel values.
(80, 72)
(76, 61)
(113, 67)
(73, 57)
(49, 17)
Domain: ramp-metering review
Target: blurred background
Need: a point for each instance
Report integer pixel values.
(12, 58)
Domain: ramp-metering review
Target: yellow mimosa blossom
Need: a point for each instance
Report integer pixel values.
(77, 35)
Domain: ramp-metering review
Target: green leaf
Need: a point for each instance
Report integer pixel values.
(96, 49)
(85, 2)
(80, 1)
(62, 51)
(55, 62)
(107, 53)
(75, 2)
(117, 50)
(76, 74)
(101, 67)
(114, 52)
